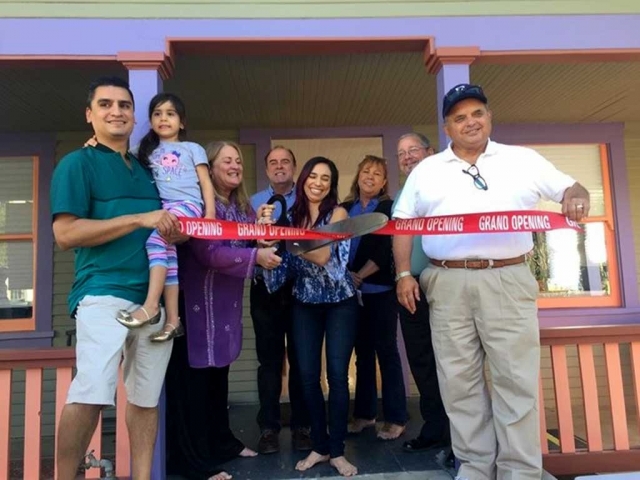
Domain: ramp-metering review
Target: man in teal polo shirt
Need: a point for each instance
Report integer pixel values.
(104, 205)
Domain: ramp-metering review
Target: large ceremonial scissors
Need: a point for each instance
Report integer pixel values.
(347, 228)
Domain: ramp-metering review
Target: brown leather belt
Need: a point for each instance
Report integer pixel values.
(478, 264)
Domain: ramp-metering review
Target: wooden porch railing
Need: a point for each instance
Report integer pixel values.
(33, 362)
(568, 459)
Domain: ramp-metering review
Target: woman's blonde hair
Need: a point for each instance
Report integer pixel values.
(354, 193)
(239, 194)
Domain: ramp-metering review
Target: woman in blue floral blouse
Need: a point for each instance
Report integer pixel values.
(325, 308)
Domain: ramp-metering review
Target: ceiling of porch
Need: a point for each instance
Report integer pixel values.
(223, 92)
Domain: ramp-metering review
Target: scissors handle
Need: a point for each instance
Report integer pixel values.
(282, 220)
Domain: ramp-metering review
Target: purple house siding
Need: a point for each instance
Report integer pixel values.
(517, 33)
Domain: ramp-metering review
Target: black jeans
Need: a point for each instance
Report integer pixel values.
(335, 323)
(377, 336)
(417, 339)
(271, 315)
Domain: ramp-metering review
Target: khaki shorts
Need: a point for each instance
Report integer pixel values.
(102, 343)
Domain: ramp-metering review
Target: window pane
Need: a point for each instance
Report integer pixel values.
(16, 279)
(16, 194)
(569, 264)
(583, 163)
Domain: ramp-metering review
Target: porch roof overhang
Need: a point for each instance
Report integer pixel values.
(304, 91)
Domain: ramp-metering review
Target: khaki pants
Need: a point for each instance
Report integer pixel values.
(492, 315)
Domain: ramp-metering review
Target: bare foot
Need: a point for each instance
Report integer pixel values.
(221, 476)
(357, 425)
(313, 459)
(343, 466)
(391, 431)
(247, 453)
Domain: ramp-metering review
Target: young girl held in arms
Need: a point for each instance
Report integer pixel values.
(181, 173)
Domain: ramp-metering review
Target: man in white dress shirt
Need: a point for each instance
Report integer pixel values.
(481, 293)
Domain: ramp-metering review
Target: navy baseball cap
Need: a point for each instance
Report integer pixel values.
(459, 93)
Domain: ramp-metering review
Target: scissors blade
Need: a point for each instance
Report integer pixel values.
(352, 227)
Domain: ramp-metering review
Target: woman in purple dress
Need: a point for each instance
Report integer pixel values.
(212, 276)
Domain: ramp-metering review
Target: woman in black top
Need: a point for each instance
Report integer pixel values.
(370, 263)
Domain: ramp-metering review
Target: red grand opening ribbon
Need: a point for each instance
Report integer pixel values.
(489, 222)
(224, 230)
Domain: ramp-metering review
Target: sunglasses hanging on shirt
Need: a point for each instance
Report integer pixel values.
(479, 182)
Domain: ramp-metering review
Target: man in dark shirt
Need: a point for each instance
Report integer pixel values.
(413, 148)
(271, 315)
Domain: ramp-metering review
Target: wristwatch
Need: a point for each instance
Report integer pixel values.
(400, 275)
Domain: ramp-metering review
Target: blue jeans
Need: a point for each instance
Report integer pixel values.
(336, 324)
(377, 336)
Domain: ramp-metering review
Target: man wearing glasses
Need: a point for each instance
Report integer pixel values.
(481, 293)
(412, 149)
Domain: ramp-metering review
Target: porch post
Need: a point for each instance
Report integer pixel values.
(448, 77)
(451, 67)
(147, 71)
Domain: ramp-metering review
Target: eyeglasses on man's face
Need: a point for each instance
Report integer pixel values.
(411, 152)
(479, 182)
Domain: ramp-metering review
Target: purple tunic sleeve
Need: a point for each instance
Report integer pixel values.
(232, 261)
(213, 274)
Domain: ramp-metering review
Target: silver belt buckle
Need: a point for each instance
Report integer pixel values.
(490, 261)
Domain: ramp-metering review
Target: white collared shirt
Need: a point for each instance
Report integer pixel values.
(517, 178)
